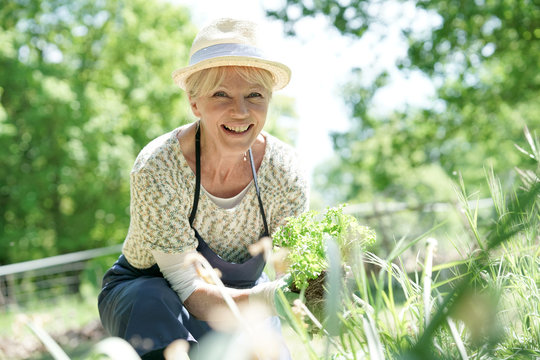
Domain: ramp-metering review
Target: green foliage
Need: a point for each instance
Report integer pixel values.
(305, 237)
(84, 86)
(481, 57)
(482, 306)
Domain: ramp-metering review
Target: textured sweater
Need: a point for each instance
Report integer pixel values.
(162, 189)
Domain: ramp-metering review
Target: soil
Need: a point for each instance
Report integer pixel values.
(30, 346)
(314, 293)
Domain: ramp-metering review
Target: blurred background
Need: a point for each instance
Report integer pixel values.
(390, 105)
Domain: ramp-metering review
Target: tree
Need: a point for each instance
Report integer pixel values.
(482, 57)
(84, 86)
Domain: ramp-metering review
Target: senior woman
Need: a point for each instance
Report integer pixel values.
(214, 187)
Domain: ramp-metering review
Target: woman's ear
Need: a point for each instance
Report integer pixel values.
(193, 105)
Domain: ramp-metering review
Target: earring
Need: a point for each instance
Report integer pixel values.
(245, 156)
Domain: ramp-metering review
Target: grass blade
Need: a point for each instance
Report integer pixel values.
(52, 346)
(116, 349)
(457, 339)
(376, 350)
(431, 244)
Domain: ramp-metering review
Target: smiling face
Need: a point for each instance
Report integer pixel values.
(233, 113)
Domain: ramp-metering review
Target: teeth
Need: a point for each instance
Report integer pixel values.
(237, 129)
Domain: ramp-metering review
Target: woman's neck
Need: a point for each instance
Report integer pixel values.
(222, 174)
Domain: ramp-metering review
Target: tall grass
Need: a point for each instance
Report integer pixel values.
(484, 306)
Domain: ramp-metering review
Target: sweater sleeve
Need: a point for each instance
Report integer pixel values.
(290, 192)
(181, 275)
(159, 218)
(295, 202)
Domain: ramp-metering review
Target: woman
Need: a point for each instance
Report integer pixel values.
(214, 187)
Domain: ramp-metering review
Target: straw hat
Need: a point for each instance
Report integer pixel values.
(230, 42)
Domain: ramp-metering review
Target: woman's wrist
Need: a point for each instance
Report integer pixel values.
(264, 293)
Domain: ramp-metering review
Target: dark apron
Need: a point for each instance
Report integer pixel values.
(235, 275)
(141, 307)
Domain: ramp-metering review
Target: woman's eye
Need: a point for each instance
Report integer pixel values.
(220, 94)
(254, 95)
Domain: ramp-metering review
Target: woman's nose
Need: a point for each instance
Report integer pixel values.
(239, 108)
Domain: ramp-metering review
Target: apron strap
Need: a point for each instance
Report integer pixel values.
(197, 174)
(261, 208)
(198, 182)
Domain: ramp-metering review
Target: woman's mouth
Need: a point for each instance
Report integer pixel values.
(237, 129)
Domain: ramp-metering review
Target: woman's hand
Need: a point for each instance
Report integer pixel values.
(266, 293)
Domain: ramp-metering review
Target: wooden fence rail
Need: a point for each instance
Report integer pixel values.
(46, 278)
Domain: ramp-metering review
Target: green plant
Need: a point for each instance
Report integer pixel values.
(481, 306)
(305, 238)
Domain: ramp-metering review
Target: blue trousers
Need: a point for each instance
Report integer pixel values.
(140, 307)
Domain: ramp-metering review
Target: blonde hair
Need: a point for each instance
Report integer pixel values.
(204, 82)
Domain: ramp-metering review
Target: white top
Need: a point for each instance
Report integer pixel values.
(227, 203)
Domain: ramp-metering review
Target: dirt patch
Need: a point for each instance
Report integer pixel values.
(314, 293)
(29, 345)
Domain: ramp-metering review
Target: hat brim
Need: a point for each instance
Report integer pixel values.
(280, 72)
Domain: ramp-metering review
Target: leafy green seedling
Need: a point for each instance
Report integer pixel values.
(304, 237)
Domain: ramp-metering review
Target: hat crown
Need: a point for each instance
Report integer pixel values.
(230, 42)
(226, 31)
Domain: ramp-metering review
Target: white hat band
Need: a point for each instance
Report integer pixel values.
(230, 49)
